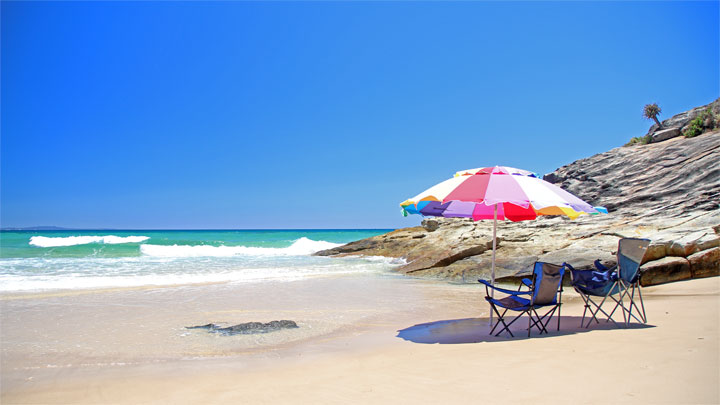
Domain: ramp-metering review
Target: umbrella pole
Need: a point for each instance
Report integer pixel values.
(492, 290)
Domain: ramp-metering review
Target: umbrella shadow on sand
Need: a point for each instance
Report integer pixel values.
(476, 330)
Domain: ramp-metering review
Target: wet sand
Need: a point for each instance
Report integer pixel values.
(361, 339)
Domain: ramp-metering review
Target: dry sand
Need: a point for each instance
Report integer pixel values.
(673, 359)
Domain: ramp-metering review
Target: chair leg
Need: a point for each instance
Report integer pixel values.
(507, 326)
(559, 307)
(632, 303)
(619, 303)
(500, 316)
(598, 310)
(628, 314)
(624, 293)
(599, 306)
(538, 321)
(549, 314)
(529, 320)
(642, 304)
(585, 299)
(501, 319)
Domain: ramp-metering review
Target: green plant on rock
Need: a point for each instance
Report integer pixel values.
(651, 111)
(639, 140)
(704, 120)
(694, 129)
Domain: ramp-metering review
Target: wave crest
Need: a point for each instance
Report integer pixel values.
(301, 247)
(44, 241)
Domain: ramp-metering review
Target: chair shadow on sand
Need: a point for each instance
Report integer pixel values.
(476, 330)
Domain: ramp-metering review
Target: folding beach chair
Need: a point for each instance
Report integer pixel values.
(544, 291)
(613, 284)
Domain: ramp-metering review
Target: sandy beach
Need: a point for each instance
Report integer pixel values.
(365, 339)
(291, 202)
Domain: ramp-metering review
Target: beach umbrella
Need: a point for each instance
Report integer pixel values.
(497, 192)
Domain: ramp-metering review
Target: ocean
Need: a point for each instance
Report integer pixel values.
(69, 260)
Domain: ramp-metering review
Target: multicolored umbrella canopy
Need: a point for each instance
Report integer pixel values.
(518, 194)
(497, 192)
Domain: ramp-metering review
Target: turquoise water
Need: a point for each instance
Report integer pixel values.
(48, 260)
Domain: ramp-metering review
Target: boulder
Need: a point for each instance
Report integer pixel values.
(656, 250)
(438, 256)
(692, 242)
(705, 263)
(391, 244)
(665, 134)
(430, 225)
(708, 241)
(472, 268)
(665, 270)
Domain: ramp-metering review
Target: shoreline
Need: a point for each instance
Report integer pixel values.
(672, 359)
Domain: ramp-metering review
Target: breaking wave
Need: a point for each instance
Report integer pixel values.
(44, 241)
(301, 247)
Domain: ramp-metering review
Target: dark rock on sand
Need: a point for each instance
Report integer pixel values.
(249, 327)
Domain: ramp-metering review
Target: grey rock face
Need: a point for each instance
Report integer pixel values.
(665, 134)
(667, 179)
(248, 328)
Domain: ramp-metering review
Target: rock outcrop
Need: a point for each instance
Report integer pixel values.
(675, 177)
(679, 123)
(668, 192)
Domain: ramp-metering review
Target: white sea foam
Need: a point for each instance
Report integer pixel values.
(391, 261)
(44, 274)
(301, 247)
(44, 241)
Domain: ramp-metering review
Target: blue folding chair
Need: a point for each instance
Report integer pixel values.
(613, 284)
(544, 291)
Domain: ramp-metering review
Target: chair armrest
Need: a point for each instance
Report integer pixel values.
(502, 290)
(527, 282)
(599, 265)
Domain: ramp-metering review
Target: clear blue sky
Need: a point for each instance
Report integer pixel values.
(320, 114)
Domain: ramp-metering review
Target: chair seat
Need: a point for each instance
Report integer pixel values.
(512, 302)
(516, 303)
(609, 288)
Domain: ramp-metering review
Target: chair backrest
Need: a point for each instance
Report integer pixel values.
(547, 279)
(630, 254)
